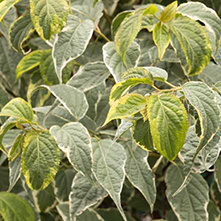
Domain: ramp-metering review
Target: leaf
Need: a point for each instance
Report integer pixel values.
(84, 194)
(217, 173)
(126, 106)
(40, 159)
(195, 196)
(139, 172)
(127, 32)
(89, 215)
(19, 32)
(63, 210)
(203, 100)
(169, 12)
(161, 37)
(158, 74)
(48, 16)
(18, 108)
(71, 42)
(5, 7)
(110, 6)
(89, 76)
(168, 124)
(74, 140)
(142, 135)
(76, 104)
(13, 207)
(122, 128)
(114, 62)
(16, 148)
(109, 159)
(213, 211)
(29, 62)
(199, 11)
(191, 43)
(63, 181)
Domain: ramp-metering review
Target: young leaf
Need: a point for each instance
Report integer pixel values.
(203, 99)
(191, 43)
(142, 135)
(168, 124)
(29, 62)
(13, 207)
(71, 42)
(76, 104)
(161, 37)
(109, 159)
(169, 12)
(195, 196)
(49, 17)
(84, 194)
(139, 173)
(74, 140)
(5, 7)
(19, 32)
(40, 159)
(126, 106)
(115, 63)
(199, 11)
(19, 109)
(127, 32)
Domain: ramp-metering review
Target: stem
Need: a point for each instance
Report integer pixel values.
(169, 84)
(154, 168)
(170, 90)
(156, 88)
(107, 17)
(101, 34)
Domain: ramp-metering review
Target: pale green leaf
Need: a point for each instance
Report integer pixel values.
(142, 135)
(48, 16)
(89, 76)
(214, 211)
(169, 12)
(195, 196)
(114, 62)
(217, 173)
(139, 172)
(199, 11)
(89, 215)
(63, 210)
(74, 140)
(76, 104)
(29, 62)
(84, 194)
(168, 124)
(161, 37)
(40, 159)
(158, 74)
(71, 42)
(122, 128)
(16, 148)
(13, 207)
(5, 7)
(109, 160)
(203, 100)
(19, 32)
(126, 106)
(18, 108)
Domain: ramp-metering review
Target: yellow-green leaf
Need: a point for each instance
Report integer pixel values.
(5, 6)
(169, 12)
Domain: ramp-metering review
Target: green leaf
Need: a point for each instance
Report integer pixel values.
(213, 211)
(13, 207)
(76, 104)
(200, 12)
(49, 17)
(110, 6)
(203, 100)
(74, 140)
(16, 148)
(217, 173)
(195, 196)
(89, 76)
(71, 42)
(127, 32)
(115, 63)
(169, 12)
(139, 172)
(126, 106)
(142, 135)
(108, 167)
(161, 37)
(5, 7)
(19, 32)
(40, 159)
(29, 62)
(84, 194)
(122, 128)
(191, 43)
(168, 124)
(63, 210)
(18, 108)
(158, 74)
(89, 215)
